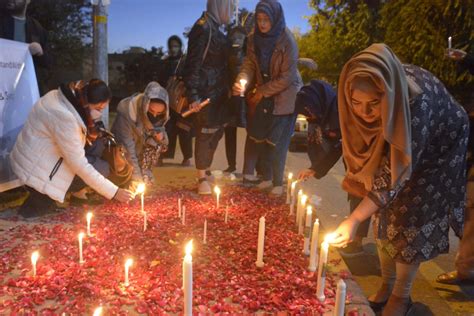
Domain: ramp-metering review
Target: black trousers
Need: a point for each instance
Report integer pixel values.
(231, 145)
(207, 140)
(175, 129)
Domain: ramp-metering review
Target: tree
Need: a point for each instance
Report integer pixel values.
(69, 24)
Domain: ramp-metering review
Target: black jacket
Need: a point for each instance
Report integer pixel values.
(207, 78)
(168, 69)
(34, 33)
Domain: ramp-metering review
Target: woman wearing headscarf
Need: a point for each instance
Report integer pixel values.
(404, 141)
(206, 77)
(270, 67)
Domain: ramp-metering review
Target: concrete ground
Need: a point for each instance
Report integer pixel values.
(431, 298)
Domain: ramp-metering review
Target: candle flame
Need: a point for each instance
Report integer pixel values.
(217, 190)
(329, 238)
(300, 192)
(141, 188)
(128, 263)
(89, 216)
(290, 176)
(293, 185)
(243, 83)
(189, 247)
(309, 209)
(81, 235)
(34, 257)
(304, 199)
(98, 311)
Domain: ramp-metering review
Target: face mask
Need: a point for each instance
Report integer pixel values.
(154, 119)
(96, 115)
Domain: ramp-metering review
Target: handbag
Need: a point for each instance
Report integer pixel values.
(121, 170)
(176, 87)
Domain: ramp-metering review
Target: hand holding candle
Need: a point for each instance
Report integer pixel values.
(217, 191)
(344, 234)
(188, 279)
(34, 260)
(128, 264)
(88, 218)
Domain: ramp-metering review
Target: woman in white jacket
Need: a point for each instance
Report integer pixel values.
(49, 151)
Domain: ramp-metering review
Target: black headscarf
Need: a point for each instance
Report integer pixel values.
(318, 102)
(265, 42)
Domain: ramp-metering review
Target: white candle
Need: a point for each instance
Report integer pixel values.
(300, 219)
(292, 198)
(34, 260)
(145, 221)
(261, 242)
(288, 188)
(80, 237)
(141, 191)
(88, 218)
(298, 203)
(340, 298)
(188, 280)
(323, 259)
(313, 253)
(226, 216)
(307, 230)
(450, 42)
(243, 83)
(204, 238)
(217, 191)
(183, 215)
(179, 207)
(98, 311)
(128, 264)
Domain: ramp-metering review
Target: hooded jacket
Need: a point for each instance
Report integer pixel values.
(206, 74)
(132, 126)
(49, 151)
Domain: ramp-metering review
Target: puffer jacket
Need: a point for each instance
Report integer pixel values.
(285, 79)
(132, 125)
(49, 151)
(207, 78)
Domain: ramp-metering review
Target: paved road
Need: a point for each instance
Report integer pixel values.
(432, 298)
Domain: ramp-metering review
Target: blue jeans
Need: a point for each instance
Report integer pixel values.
(274, 157)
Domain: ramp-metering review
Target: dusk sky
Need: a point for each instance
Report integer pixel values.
(149, 23)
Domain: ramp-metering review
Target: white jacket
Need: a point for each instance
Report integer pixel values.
(49, 151)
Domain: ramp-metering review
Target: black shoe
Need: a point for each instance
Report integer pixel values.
(377, 307)
(230, 169)
(353, 249)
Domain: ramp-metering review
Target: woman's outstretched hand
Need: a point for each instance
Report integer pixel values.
(345, 233)
(305, 174)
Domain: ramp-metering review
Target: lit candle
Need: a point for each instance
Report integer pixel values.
(80, 237)
(340, 298)
(226, 216)
(141, 191)
(128, 264)
(450, 42)
(217, 191)
(88, 218)
(323, 259)
(98, 311)
(243, 83)
(292, 198)
(300, 219)
(313, 253)
(307, 230)
(288, 188)
(188, 280)
(145, 221)
(179, 207)
(204, 238)
(183, 215)
(34, 260)
(261, 242)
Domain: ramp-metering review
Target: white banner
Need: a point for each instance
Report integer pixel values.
(18, 93)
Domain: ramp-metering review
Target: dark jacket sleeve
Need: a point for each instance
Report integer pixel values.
(467, 63)
(324, 156)
(197, 43)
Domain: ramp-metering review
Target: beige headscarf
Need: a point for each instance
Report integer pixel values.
(363, 143)
(220, 10)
